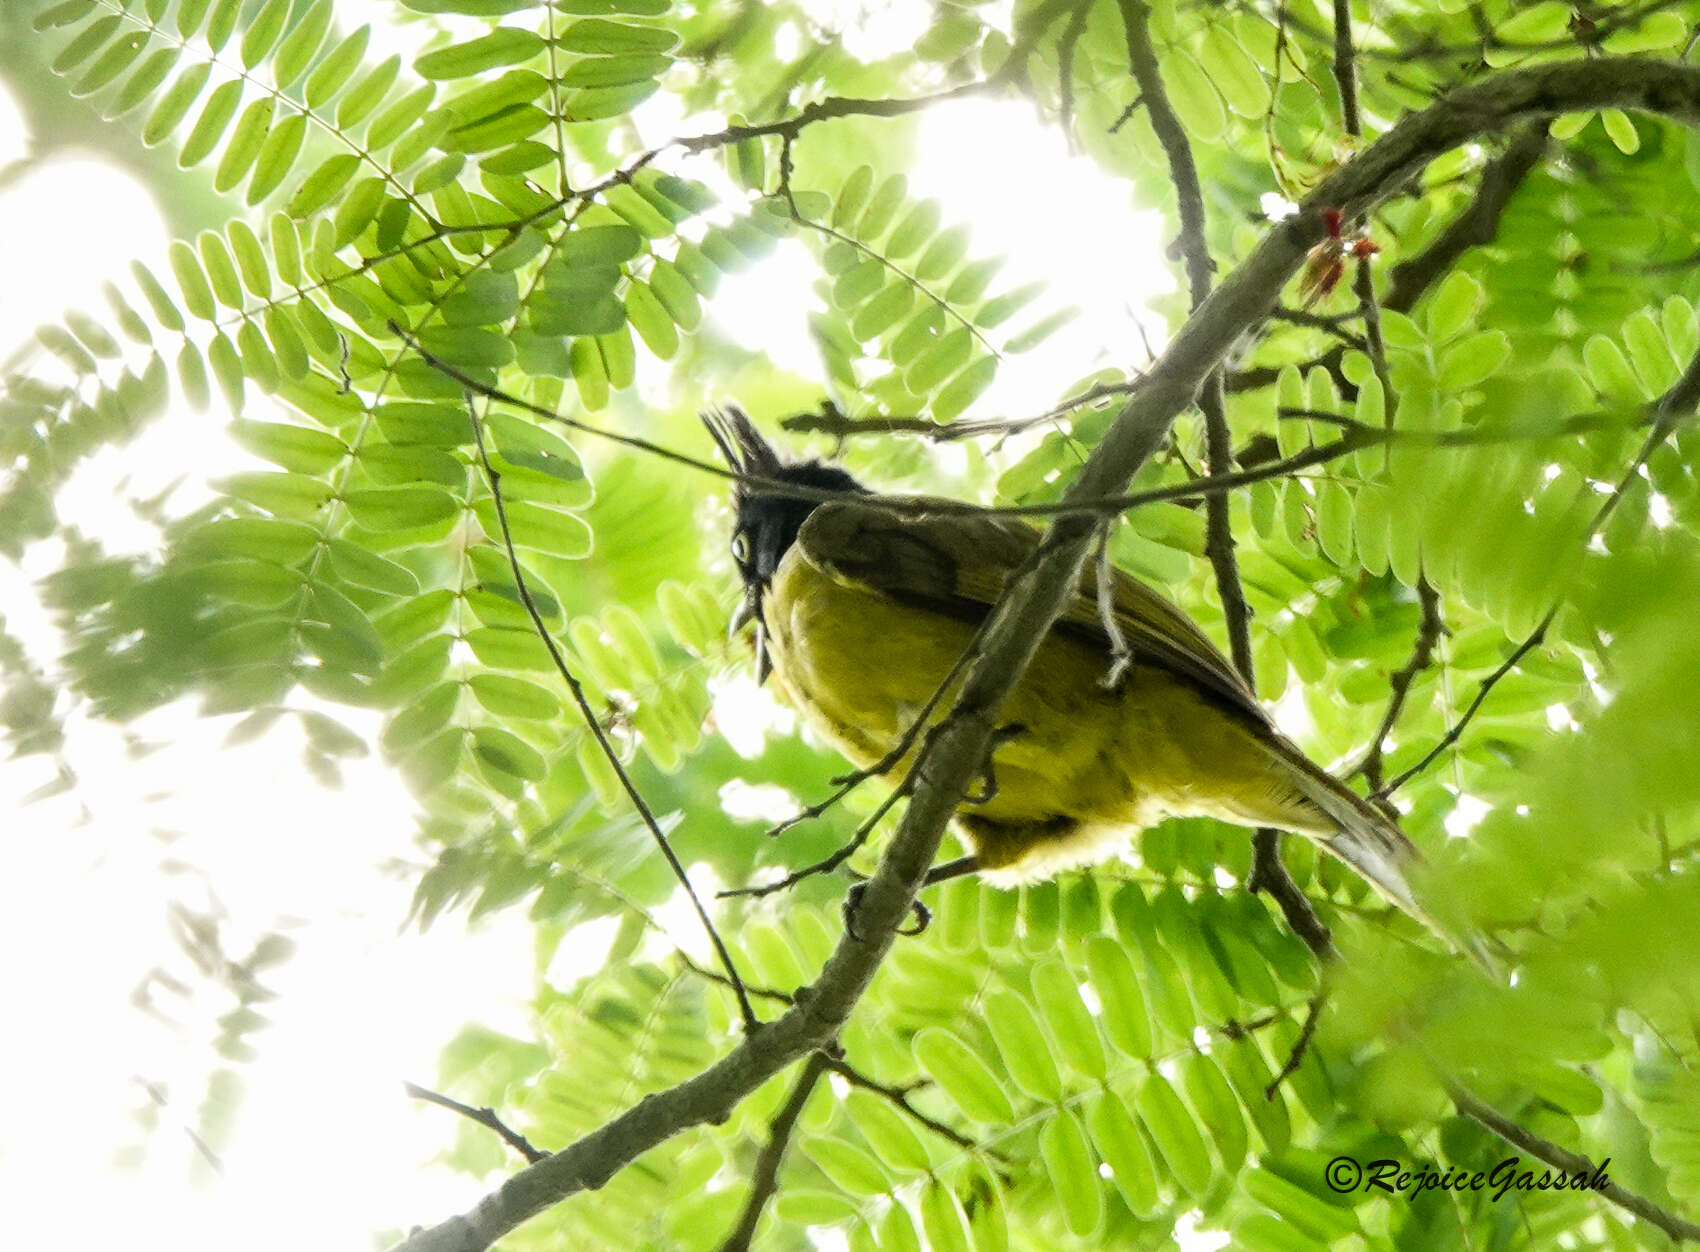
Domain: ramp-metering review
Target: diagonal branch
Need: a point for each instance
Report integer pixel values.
(1668, 411)
(1476, 226)
(486, 1117)
(1268, 874)
(751, 1021)
(1032, 602)
(1573, 1163)
(764, 1179)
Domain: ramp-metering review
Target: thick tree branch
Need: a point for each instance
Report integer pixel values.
(1034, 598)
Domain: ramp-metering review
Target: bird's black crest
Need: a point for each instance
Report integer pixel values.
(767, 520)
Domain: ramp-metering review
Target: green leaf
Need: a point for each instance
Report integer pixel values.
(1620, 129)
(1117, 1138)
(321, 186)
(962, 1076)
(614, 71)
(1070, 1171)
(508, 753)
(220, 269)
(943, 1221)
(507, 696)
(1025, 1051)
(1474, 359)
(1543, 22)
(67, 14)
(333, 73)
(850, 1168)
(886, 1131)
(210, 125)
(506, 45)
(87, 42)
(277, 156)
(1235, 73)
(400, 508)
(597, 35)
(466, 345)
(1175, 1133)
(598, 246)
(302, 44)
(651, 321)
(851, 196)
(114, 61)
(259, 538)
(1193, 96)
(1070, 1025)
(1609, 371)
(174, 105)
(1453, 306)
(363, 568)
(263, 32)
(191, 280)
(883, 206)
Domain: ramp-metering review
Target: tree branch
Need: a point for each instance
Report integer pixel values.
(485, 1117)
(1668, 411)
(1477, 225)
(1572, 1163)
(764, 1179)
(751, 1021)
(1031, 603)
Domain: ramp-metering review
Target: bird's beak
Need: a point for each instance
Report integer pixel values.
(746, 612)
(750, 611)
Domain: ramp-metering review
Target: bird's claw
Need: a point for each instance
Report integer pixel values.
(853, 902)
(988, 788)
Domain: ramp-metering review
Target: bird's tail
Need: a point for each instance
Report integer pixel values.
(1372, 844)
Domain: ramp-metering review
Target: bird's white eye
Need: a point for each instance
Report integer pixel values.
(740, 548)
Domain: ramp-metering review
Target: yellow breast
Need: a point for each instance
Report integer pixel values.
(1086, 767)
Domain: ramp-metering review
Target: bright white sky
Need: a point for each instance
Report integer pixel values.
(326, 1148)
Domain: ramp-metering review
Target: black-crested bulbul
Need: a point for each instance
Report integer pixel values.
(861, 611)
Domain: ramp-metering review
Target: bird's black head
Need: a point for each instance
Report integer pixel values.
(768, 520)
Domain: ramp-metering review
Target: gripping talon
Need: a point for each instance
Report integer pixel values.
(988, 789)
(853, 901)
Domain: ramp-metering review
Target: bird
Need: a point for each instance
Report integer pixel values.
(862, 605)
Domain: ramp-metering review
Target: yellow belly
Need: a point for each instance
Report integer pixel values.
(1087, 767)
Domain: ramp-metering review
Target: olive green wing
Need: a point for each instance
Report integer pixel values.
(958, 564)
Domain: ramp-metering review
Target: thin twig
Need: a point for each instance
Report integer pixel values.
(485, 1117)
(829, 862)
(1476, 225)
(1429, 630)
(1065, 68)
(900, 1097)
(1268, 873)
(1572, 1163)
(715, 976)
(830, 421)
(1296, 1054)
(764, 1179)
(1345, 67)
(751, 1021)
(1357, 438)
(1456, 731)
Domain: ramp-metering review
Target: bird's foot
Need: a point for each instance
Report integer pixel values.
(853, 902)
(987, 790)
